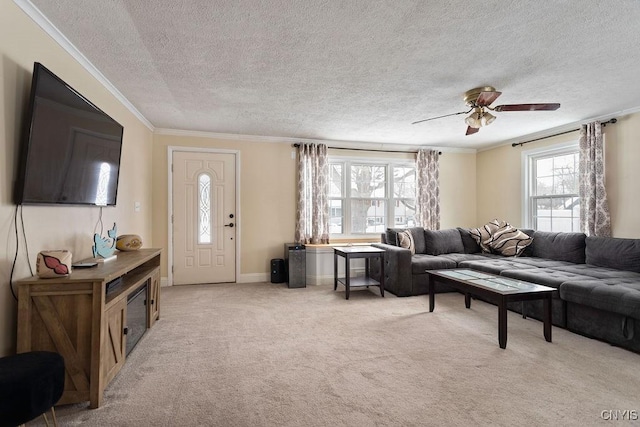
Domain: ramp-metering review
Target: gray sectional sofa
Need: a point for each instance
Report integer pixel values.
(598, 278)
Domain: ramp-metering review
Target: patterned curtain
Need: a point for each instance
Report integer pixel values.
(312, 216)
(428, 190)
(594, 207)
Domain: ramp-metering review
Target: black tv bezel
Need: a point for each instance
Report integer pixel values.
(25, 145)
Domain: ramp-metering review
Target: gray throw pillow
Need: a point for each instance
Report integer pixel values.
(439, 242)
(469, 243)
(418, 239)
(392, 236)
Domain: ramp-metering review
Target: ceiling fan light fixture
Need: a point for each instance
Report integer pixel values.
(487, 118)
(474, 120)
(479, 101)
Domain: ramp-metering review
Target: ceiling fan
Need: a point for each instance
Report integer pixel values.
(479, 101)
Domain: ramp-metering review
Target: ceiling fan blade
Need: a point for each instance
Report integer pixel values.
(471, 131)
(486, 98)
(527, 107)
(440, 117)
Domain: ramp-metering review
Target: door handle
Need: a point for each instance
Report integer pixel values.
(229, 225)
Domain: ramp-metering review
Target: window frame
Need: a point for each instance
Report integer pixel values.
(528, 180)
(388, 164)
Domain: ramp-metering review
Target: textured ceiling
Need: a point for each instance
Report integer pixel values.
(360, 70)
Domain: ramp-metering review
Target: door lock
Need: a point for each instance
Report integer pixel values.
(229, 225)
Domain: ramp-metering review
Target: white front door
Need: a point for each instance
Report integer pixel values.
(204, 217)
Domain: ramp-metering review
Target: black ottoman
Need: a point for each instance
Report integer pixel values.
(30, 384)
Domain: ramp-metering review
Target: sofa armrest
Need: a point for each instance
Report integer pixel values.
(397, 269)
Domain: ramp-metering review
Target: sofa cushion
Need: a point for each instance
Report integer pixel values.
(495, 265)
(559, 246)
(509, 241)
(439, 242)
(616, 295)
(544, 276)
(599, 272)
(527, 231)
(542, 262)
(405, 240)
(468, 242)
(481, 234)
(622, 254)
(420, 263)
(458, 258)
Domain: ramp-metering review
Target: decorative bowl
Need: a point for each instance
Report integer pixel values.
(128, 242)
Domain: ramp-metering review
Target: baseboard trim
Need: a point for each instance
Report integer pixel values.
(253, 278)
(326, 279)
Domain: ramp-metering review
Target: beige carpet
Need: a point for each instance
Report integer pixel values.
(264, 355)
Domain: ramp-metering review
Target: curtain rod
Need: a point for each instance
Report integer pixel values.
(366, 149)
(515, 144)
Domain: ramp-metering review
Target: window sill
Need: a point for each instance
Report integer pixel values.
(344, 242)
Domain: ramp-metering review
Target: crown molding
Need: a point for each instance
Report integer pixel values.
(48, 27)
(289, 140)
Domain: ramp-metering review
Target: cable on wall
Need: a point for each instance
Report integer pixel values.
(15, 257)
(99, 222)
(24, 236)
(20, 209)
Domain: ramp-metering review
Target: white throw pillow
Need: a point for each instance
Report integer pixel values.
(405, 240)
(484, 233)
(509, 241)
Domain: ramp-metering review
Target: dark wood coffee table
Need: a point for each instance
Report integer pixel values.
(496, 289)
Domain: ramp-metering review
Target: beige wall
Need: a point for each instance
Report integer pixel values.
(499, 172)
(22, 43)
(623, 175)
(267, 197)
(457, 190)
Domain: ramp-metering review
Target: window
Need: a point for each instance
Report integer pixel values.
(552, 202)
(366, 197)
(336, 190)
(204, 209)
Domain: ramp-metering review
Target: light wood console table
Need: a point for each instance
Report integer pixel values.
(75, 317)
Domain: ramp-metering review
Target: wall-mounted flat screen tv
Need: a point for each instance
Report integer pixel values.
(70, 153)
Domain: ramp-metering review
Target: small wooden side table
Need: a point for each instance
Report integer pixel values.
(352, 252)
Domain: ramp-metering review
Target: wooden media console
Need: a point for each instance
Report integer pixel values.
(76, 317)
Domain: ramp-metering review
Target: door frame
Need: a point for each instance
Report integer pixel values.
(170, 150)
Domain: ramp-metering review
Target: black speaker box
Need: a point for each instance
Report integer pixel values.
(278, 271)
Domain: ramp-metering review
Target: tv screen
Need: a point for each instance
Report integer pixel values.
(70, 153)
